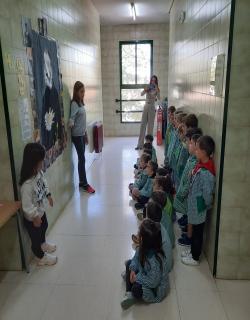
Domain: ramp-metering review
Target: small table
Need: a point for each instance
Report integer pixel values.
(7, 210)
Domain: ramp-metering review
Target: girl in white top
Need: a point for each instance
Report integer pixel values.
(35, 196)
(78, 126)
(152, 92)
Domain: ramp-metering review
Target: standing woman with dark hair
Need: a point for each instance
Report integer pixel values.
(152, 92)
(77, 123)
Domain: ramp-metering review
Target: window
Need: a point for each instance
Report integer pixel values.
(135, 72)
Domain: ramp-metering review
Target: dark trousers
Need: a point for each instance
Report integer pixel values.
(197, 240)
(37, 235)
(79, 144)
(135, 287)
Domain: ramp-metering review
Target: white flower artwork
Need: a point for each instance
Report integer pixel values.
(49, 116)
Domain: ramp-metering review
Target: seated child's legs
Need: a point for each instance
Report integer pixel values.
(197, 240)
(137, 290)
(128, 283)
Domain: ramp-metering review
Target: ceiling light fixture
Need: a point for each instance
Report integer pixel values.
(133, 13)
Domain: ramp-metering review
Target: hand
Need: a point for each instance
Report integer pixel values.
(51, 202)
(70, 124)
(132, 277)
(37, 221)
(135, 192)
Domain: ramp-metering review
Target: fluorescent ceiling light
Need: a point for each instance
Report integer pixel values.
(133, 13)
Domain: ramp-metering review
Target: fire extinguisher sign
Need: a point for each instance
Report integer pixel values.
(159, 126)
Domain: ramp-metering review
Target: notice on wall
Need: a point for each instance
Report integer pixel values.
(25, 121)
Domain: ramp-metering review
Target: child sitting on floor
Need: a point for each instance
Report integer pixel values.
(141, 176)
(147, 273)
(154, 212)
(142, 195)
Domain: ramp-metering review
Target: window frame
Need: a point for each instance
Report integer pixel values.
(133, 86)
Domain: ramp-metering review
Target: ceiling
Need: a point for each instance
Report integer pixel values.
(114, 12)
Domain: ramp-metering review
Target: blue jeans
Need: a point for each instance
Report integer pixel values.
(79, 143)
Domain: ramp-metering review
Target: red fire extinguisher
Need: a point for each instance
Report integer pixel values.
(159, 126)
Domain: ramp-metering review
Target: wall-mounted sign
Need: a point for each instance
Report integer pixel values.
(217, 75)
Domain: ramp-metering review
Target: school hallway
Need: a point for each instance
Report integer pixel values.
(93, 235)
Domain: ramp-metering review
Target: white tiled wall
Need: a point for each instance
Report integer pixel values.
(203, 34)
(234, 238)
(75, 25)
(110, 37)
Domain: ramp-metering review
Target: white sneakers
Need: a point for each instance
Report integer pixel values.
(188, 260)
(186, 253)
(48, 247)
(47, 260)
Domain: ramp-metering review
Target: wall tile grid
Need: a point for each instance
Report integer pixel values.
(234, 240)
(203, 34)
(110, 37)
(75, 25)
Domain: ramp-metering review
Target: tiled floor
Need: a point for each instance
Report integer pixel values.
(93, 236)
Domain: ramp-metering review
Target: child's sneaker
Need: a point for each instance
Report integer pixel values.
(47, 260)
(140, 216)
(184, 241)
(186, 253)
(88, 189)
(48, 247)
(128, 301)
(189, 261)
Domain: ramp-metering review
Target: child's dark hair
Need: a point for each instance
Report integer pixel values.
(154, 167)
(149, 152)
(145, 157)
(150, 240)
(191, 121)
(33, 153)
(160, 198)
(193, 131)
(196, 137)
(147, 145)
(207, 144)
(149, 137)
(171, 109)
(154, 211)
(165, 183)
(161, 172)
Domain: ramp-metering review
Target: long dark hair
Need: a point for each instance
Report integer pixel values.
(77, 86)
(33, 153)
(156, 79)
(150, 240)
